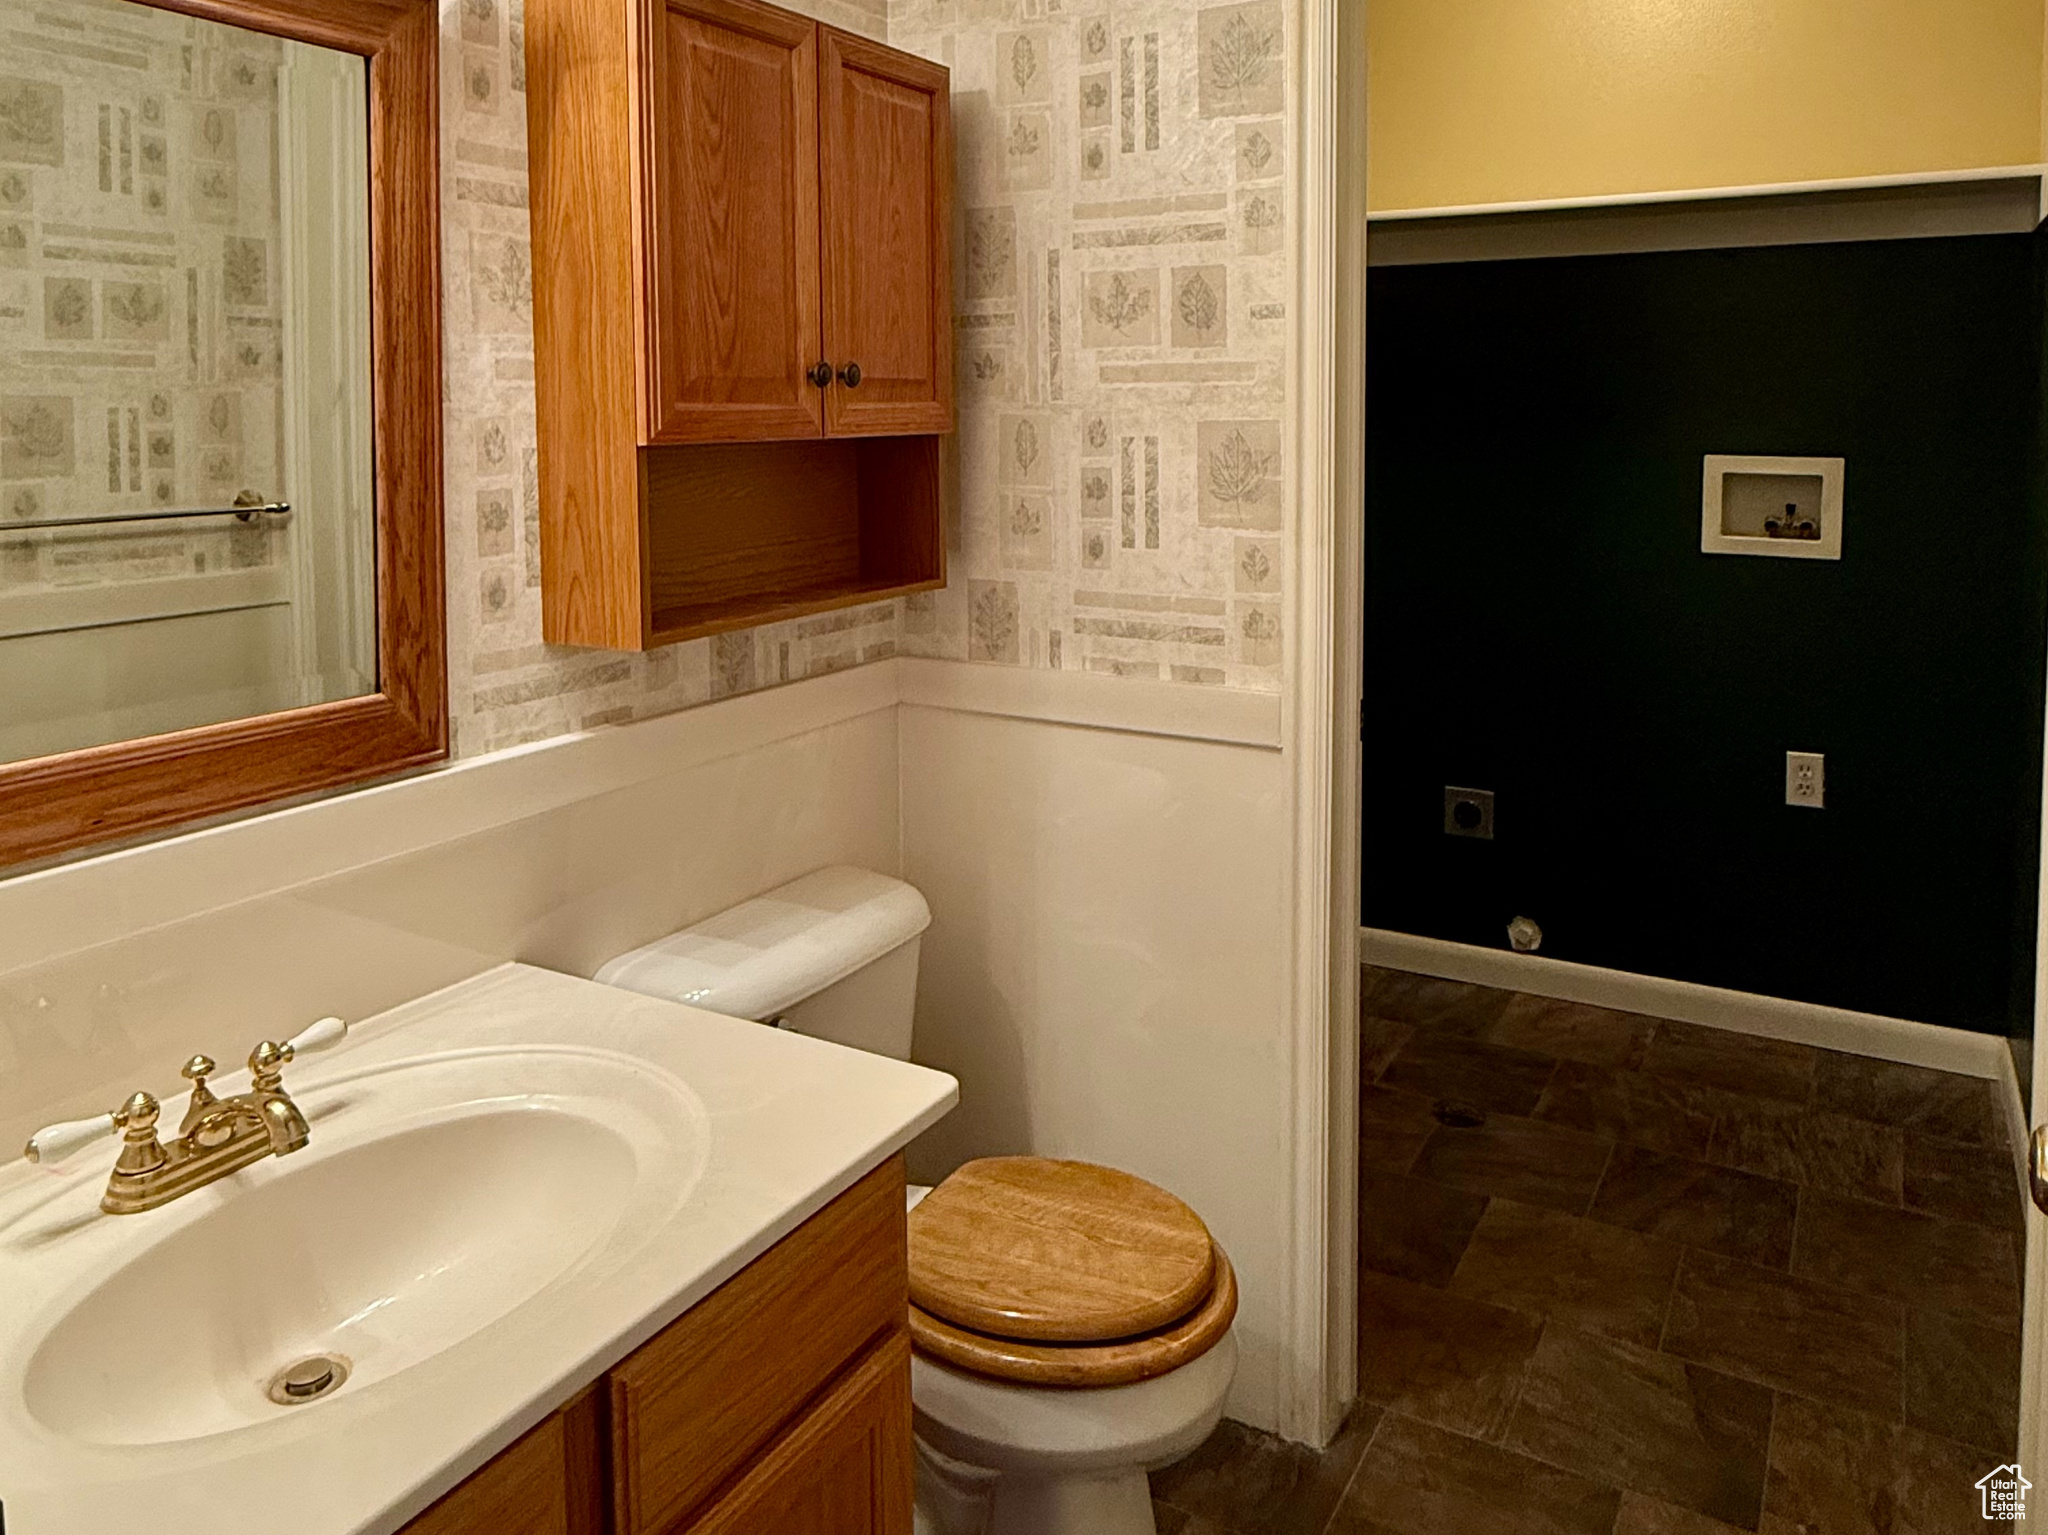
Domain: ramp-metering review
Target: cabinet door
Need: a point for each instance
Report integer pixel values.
(715, 1388)
(550, 1483)
(731, 323)
(844, 1469)
(886, 147)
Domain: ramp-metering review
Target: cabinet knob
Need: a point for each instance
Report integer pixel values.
(850, 375)
(820, 374)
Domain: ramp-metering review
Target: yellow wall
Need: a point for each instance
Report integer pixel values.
(1484, 101)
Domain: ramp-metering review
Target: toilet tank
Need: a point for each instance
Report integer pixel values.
(832, 955)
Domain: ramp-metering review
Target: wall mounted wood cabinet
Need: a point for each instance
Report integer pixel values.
(743, 316)
(779, 1405)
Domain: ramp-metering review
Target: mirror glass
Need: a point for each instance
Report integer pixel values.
(187, 507)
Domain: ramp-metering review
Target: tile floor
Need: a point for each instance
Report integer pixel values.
(1623, 1276)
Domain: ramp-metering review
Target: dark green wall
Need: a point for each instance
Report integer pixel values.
(1540, 620)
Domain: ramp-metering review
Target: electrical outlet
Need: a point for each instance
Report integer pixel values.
(1468, 813)
(1806, 779)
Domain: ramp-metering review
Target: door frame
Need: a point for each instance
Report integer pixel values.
(1320, 703)
(1326, 633)
(2033, 1435)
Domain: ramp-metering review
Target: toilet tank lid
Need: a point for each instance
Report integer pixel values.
(762, 956)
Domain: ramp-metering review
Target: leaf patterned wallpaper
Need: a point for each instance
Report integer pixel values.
(1121, 324)
(1122, 332)
(139, 315)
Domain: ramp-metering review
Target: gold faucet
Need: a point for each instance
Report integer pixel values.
(217, 1136)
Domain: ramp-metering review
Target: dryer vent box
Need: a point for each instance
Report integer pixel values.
(1787, 507)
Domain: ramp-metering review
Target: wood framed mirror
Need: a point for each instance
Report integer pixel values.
(98, 178)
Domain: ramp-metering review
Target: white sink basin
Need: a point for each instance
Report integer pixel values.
(384, 1253)
(510, 1186)
(440, 1195)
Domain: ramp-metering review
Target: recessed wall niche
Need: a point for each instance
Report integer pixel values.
(1789, 507)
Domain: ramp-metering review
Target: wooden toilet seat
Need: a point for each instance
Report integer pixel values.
(1118, 1363)
(1056, 1273)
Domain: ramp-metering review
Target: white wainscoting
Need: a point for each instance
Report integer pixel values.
(1106, 974)
(74, 906)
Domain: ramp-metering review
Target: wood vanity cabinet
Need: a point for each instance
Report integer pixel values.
(742, 314)
(778, 1405)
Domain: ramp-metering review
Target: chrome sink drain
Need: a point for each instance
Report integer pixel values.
(308, 1379)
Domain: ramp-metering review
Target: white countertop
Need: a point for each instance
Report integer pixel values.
(787, 1124)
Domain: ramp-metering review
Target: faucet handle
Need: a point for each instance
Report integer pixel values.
(53, 1143)
(267, 1059)
(316, 1036)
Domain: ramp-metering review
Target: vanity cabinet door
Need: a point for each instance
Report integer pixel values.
(732, 327)
(886, 147)
(844, 1469)
(550, 1483)
(723, 1384)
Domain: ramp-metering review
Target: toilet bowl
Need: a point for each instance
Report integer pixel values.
(1071, 1323)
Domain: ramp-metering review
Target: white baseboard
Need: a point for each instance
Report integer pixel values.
(1806, 1023)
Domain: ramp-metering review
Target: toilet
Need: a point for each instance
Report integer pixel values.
(1071, 1323)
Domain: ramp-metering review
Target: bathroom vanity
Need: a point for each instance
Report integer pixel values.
(592, 1262)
